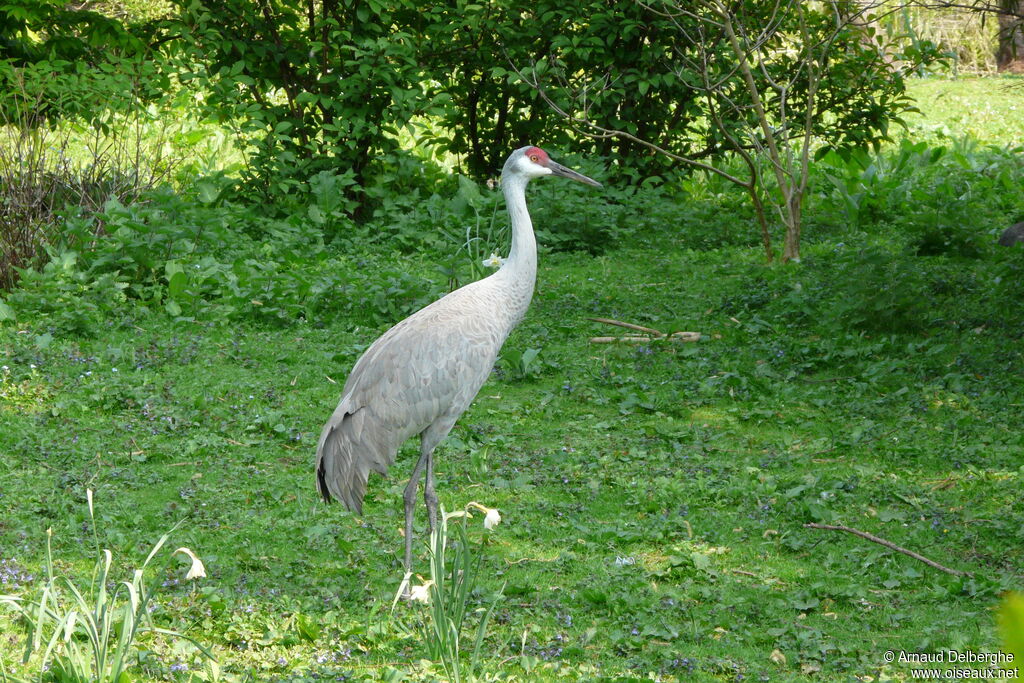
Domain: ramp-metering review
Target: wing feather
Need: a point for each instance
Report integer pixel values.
(426, 368)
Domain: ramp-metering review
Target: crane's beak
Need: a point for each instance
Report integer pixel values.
(559, 170)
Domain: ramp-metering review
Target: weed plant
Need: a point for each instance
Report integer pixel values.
(938, 198)
(90, 634)
(455, 569)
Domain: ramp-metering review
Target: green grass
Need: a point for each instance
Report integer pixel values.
(990, 109)
(653, 497)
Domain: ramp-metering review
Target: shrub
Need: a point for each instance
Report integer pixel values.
(51, 162)
(195, 261)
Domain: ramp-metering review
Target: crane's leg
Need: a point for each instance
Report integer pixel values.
(410, 512)
(429, 438)
(429, 493)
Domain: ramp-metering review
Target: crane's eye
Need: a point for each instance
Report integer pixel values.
(534, 158)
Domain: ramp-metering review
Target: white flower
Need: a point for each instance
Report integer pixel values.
(421, 593)
(197, 570)
(491, 519)
(491, 516)
(494, 261)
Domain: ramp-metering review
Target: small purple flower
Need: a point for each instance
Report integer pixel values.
(684, 663)
(13, 575)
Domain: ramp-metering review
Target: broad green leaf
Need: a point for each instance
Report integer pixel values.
(6, 312)
(176, 285)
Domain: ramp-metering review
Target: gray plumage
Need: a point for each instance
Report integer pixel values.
(420, 375)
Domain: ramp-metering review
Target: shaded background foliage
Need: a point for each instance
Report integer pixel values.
(346, 110)
(318, 87)
(328, 86)
(494, 110)
(60, 61)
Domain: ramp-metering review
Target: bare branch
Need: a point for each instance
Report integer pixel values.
(888, 544)
(628, 326)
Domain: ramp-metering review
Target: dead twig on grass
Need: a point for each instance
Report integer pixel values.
(743, 572)
(644, 339)
(888, 544)
(650, 334)
(628, 326)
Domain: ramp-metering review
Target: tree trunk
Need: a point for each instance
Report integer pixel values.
(791, 245)
(1010, 55)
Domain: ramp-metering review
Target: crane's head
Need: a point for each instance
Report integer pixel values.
(533, 162)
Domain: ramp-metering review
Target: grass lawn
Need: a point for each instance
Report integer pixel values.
(988, 109)
(653, 496)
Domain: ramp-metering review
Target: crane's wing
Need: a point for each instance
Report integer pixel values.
(424, 369)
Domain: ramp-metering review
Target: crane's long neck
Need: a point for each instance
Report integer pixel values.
(520, 269)
(523, 257)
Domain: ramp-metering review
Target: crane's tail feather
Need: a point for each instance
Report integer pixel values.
(351, 444)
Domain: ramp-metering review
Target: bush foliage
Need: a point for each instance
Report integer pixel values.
(327, 87)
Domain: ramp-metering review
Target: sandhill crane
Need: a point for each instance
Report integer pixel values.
(420, 375)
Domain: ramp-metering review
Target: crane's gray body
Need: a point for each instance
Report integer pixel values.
(417, 378)
(420, 375)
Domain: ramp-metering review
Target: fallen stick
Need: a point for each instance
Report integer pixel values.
(628, 326)
(888, 544)
(628, 339)
(644, 339)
